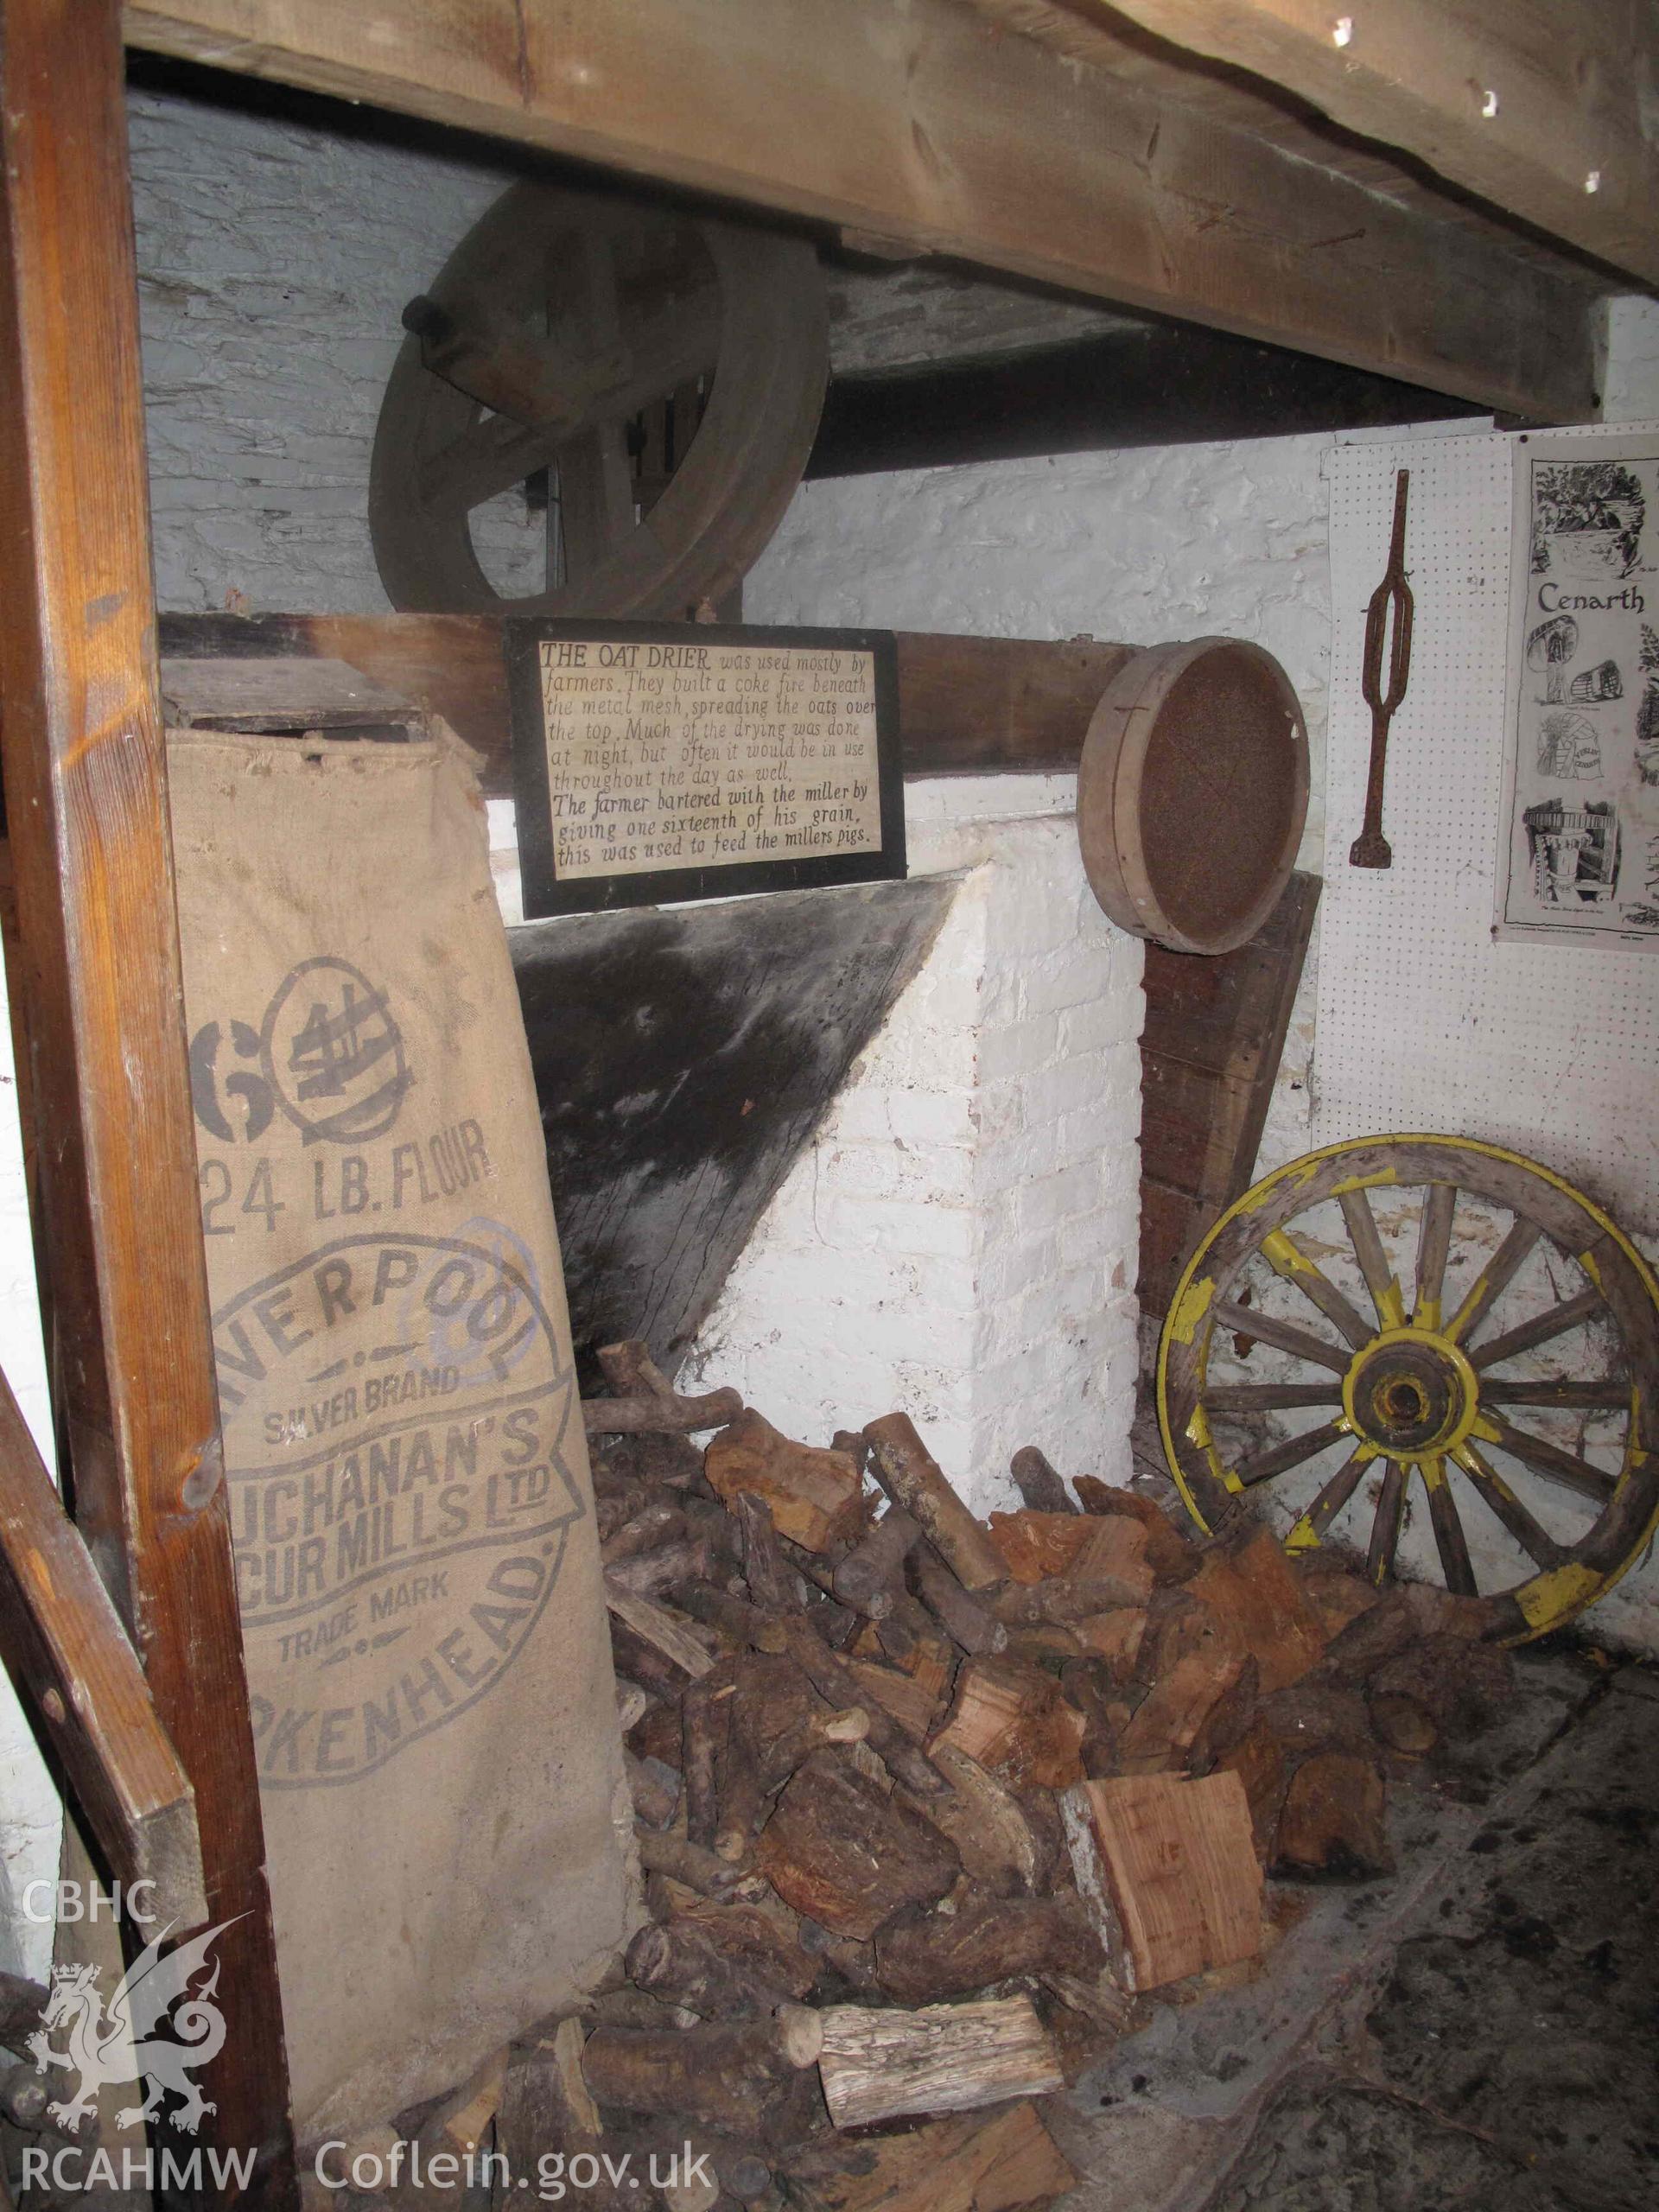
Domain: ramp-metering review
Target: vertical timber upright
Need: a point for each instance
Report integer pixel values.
(96, 980)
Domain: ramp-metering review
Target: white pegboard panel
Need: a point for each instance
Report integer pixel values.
(1425, 1021)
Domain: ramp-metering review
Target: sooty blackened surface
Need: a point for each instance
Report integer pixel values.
(682, 1059)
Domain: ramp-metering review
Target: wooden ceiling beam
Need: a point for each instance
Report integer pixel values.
(1536, 105)
(932, 127)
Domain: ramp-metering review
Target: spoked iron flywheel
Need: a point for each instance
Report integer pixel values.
(643, 382)
(1428, 1320)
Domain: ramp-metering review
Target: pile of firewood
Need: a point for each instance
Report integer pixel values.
(924, 1803)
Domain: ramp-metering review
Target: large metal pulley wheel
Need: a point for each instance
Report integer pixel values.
(1436, 1324)
(644, 385)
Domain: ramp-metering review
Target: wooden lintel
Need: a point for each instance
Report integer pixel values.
(93, 969)
(1538, 107)
(63, 1643)
(936, 128)
(967, 706)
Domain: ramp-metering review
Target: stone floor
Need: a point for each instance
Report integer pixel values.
(1479, 2031)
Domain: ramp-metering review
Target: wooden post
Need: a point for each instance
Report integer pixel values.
(96, 978)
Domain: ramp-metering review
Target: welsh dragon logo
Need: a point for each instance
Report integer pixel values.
(122, 2045)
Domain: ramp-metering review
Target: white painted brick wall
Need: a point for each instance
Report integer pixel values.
(959, 1241)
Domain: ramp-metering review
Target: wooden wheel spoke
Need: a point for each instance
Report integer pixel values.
(1311, 1529)
(1611, 1395)
(1361, 1224)
(1540, 1547)
(1283, 1336)
(1547, 1458)
(1539, 1331)
(1494, 1279)
(595, 498)
(1275, 1459)
(1449, 1539)
(487, 457)
(1269, 1397)
(1288, 1261)
(1433, 1243)
(1385, 1528)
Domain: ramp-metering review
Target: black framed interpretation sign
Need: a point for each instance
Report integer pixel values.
(658, 761)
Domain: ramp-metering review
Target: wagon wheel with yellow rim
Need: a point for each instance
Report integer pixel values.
(1447, 1325)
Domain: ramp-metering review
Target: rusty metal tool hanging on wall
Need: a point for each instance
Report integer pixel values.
(1371, 849)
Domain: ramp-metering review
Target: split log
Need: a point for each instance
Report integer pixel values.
(845, 1967)
(657, 1523)
(658, 1459)
(966, 1622)
(1403, 1724)
(856, 1447)
(724, 2074)
(22, 2003)
(629, 2007)
(1437, 1611)
(687, 1862)
(913, 1639)
(632, 1704)
(1252, 1586)
(1040, 1486)
(1000, 1849)
(1179, 1869)
(629, 1417)
(1067, 1599)
(1197, 1659)
(1259, 1763)
(1038, 1547)
(705, 1717)
(1229, 1721)
(1098, 1999)
(924, 1958)
(870, 1579)
(901, 1695)
(670, 1634)
(1008, 2163)
(844, 1854)
(901, 1464)
(545, 2104)
(878, 2065)
(734, 1619)
(774, 1586)
(1093, 1883)
(1011, 1716)
(1047, 1643)
(726, 1962)
(649, 1574)
(1336, 1595)
(646, 1401)
(1115, 1638)
(1461, 1687)
(1088, 1688)
(1313, 1716)
(749, 1779)
(833, 1678)
(1334, 1822)
(1372, 1637)
(1169, 1554)
(654, 1787)
(617, 1502)
(656, 1735)
(816, 1497)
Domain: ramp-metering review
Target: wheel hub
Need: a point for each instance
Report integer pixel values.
(1410, 1393)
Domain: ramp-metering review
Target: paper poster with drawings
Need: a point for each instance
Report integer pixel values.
(1581, 779)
